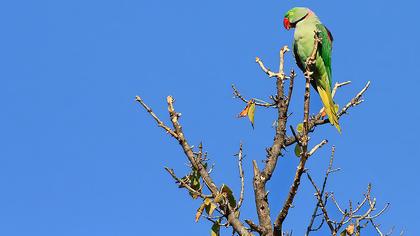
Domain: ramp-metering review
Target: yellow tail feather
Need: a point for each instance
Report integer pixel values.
(329, 107)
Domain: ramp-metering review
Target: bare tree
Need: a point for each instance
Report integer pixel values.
(219, 205)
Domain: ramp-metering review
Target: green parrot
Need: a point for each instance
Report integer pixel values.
(306, 23)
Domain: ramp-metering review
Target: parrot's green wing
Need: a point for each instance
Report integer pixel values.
(324, 80)
(325, 50)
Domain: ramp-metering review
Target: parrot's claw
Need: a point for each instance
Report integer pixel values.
(310, 61)
(308, 73)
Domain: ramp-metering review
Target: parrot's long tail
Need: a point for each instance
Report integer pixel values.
(329, 107)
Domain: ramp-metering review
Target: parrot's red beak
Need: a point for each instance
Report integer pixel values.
(286, 23)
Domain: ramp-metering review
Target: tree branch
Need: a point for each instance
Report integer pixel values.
(304, 143)
(314, 149)
(317, 120)
(265, 69)
(187, 148)
(196, 162)
(241, 175)
(254, 227)
(261, 177)
(321, 204)
(232, 219)
(324, 184)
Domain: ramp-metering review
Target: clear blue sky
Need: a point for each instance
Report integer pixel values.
(79, 157)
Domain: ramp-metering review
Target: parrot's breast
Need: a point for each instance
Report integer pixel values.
(304, 39)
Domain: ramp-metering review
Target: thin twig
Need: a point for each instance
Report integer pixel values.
(295, 135)
(156, 118)
(291, 83)
(380, 212)
(241, 175)
(337, 205)
(355, 101)
(237, 94)
(185, 185)
(376, 227)
(321, 204)
(338, 85)
(313, 150)
(265, 69)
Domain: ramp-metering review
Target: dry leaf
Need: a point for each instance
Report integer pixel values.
(244, 112)
(249, 111)
(199, 212)
(350, 229)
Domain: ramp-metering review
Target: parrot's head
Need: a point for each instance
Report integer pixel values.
(295, 15)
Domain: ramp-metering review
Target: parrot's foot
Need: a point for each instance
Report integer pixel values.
(310, 61)
(308, 74)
